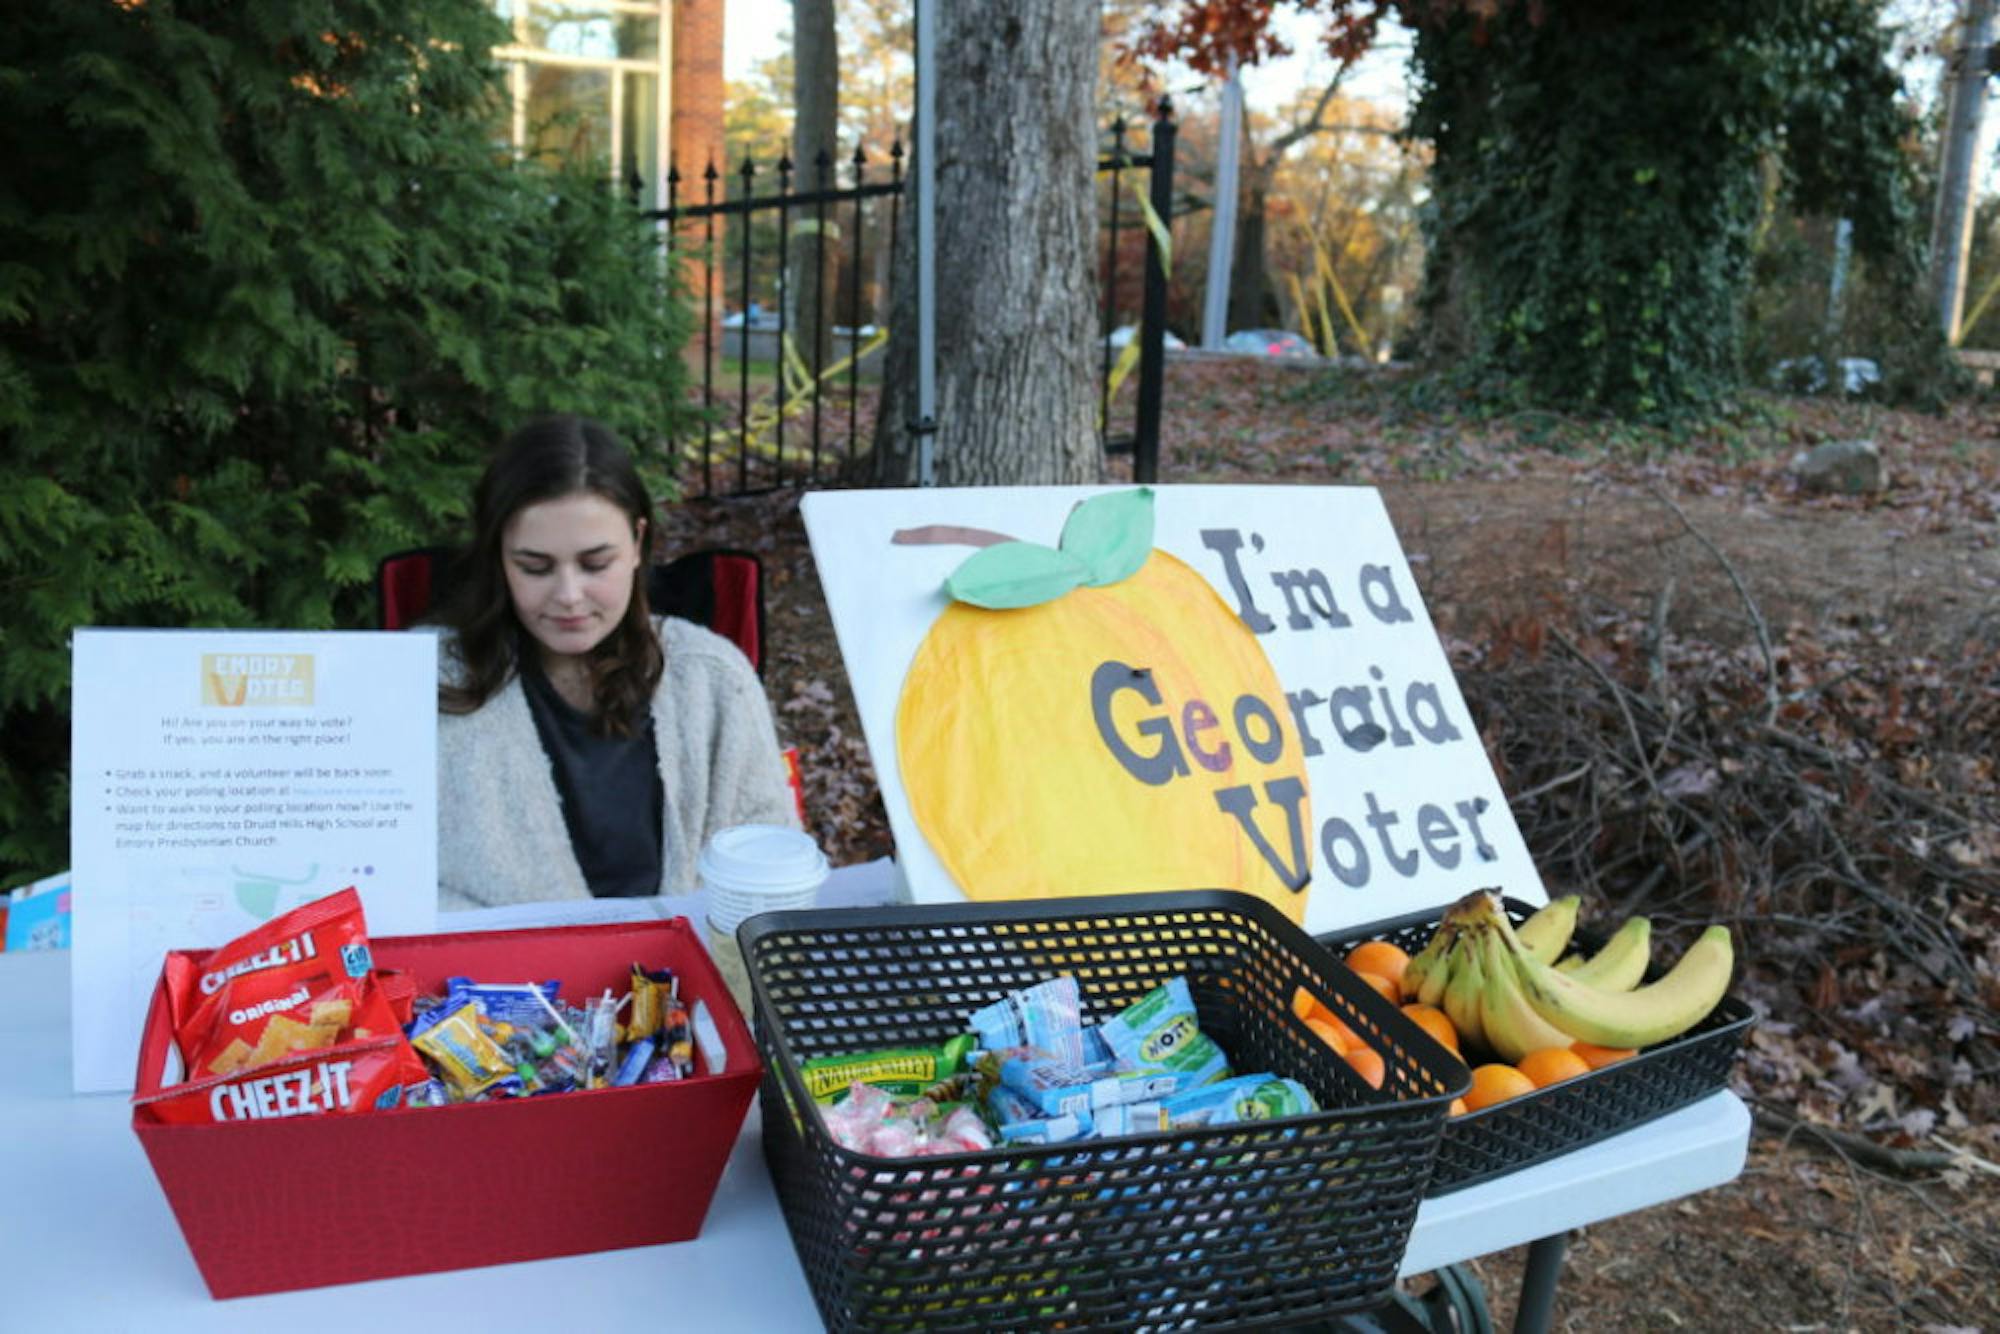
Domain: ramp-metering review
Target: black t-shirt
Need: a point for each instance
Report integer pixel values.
(612, 796)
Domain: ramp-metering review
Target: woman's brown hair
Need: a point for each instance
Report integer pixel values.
(546, 460)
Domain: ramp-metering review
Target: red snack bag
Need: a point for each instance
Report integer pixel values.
(378, 1013)
(327, 935)
(259, 1017)
(363, 1076)
(399, 992)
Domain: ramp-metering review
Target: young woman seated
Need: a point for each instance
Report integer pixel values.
(585, 746)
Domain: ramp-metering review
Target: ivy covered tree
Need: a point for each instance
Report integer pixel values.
(1599, 175)
(269, 289)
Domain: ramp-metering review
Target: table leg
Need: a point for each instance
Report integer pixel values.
(1538, 1284)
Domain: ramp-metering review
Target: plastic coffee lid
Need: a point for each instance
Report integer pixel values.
(762, 859)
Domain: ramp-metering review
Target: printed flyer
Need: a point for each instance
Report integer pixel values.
(220, 778)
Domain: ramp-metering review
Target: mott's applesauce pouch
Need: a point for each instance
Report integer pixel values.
(1046, 1018)
(1057, 1089)
(1263, 1097)
(904, 1071)
(326, 936)
(371, 1075)
(1161, 1032)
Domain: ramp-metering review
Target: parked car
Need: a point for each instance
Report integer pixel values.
(759, 319)
(1807, 375)
(1118, 338)
(1270, 343)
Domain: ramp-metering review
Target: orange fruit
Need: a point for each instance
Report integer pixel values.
(1552, 1065)
(1322, 1020)
(1457, 1108)
(1382, 959)
(1496, 1083)
(1385, 987)
(1347, 1035)
(1116, 713)
(1434, 1022)
(1368, 1063)
(1304, 1004)
(1599, 1057)
(1332, 1032)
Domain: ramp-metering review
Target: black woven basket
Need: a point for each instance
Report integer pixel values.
(1549, 1122)
(1278, 1221)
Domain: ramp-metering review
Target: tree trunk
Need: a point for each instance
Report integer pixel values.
(1251, 305)
(1016, 254)
(1958, 169)
(815, 125)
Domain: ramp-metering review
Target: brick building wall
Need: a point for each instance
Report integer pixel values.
(695, 136)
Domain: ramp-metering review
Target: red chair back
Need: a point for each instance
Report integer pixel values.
(404, 585)
(721, 589)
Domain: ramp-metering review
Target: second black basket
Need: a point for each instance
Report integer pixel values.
(1265, 1222)
(1535, 1127)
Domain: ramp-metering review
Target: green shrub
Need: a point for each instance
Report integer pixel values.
(269, 289)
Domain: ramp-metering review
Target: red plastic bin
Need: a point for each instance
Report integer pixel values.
(274, 1205)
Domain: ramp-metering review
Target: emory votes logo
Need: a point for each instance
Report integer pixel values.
(234, 680)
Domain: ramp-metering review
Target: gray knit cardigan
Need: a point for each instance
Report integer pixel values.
(501, 836)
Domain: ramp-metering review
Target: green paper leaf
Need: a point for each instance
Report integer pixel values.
(1111, 536)
(1009, 575)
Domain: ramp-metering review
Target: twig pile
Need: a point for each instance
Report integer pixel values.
(1831, 798)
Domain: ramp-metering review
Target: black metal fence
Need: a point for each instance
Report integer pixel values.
(805, 418)
(1143, 441)
(756, 423)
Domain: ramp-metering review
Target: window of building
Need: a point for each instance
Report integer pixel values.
(586, 78)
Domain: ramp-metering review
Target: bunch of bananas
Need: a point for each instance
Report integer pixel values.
(1512, 990)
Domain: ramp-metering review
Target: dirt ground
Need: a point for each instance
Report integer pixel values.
(1506, 518)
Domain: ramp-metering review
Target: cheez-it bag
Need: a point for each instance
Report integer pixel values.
(373, 1074)
(327, 937)
(262, 1016)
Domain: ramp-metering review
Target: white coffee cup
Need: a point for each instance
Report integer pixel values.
(756, 868)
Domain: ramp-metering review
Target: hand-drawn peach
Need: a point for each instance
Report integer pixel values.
(1093, 719)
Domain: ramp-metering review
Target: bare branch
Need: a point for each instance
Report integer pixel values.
(1749, 604)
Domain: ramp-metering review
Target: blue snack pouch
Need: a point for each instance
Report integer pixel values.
(1047, 1017)
(1263, 1097)
(1125, 1087)
(1161, 1032)
(507, 1002)
(430, 1093)
(637, 1056)
(1048, 1130)
(1056, 1089)
(1135, 1118)
(1052, 1087)
(1005, 1107)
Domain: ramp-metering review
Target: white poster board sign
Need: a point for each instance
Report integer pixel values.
(1400, 809)
(220, 778)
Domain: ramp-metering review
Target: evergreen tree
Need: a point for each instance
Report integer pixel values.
(269, 289)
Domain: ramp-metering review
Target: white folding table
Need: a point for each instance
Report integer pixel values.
(92, 1244)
